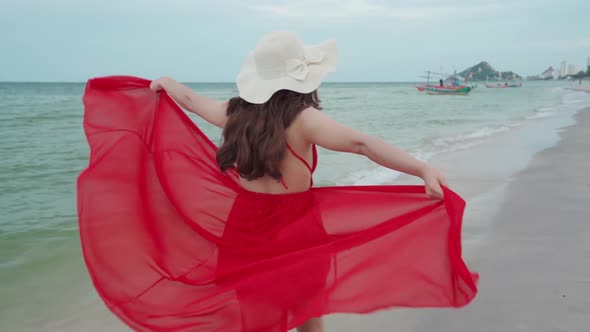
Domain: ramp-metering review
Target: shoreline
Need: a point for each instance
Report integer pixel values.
(481, 174)
(534, 266)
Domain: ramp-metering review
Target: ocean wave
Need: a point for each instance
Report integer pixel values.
(453, 142)
(540, 115)
(381, 175)
(558, 89)
(372, 176)
(542, 112)
(575, 98)
(377, 174)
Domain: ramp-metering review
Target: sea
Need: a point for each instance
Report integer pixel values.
(44, 285)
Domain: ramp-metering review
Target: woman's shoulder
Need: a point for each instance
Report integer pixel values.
(311, 119)
(308, 115)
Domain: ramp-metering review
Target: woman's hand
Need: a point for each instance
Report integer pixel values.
(433, 180)
(158, 84)
(213, 111)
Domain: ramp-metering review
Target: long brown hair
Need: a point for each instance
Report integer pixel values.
(254, 135)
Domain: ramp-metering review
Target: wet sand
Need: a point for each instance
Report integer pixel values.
(535, 264)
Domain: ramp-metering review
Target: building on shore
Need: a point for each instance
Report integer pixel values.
(572, 69)
(568, 70)
(563, 69)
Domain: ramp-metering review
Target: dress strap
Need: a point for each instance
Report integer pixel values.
(315, 158)
(300, 158)
(310, 168)
(283, 183)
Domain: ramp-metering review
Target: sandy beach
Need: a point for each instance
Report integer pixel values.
(535, 266)
(535, 260)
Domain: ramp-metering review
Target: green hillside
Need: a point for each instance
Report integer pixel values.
(484, 71)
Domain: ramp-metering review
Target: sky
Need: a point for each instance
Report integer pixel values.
(207, 41)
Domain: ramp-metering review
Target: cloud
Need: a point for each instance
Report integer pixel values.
(345, 10)
(109, 6)
(327, 10)
(273, 9)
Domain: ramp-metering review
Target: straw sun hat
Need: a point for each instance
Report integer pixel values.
(280, 61)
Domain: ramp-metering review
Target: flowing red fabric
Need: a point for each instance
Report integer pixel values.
(173, 244)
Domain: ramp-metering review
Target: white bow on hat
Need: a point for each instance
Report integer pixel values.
(298, 68)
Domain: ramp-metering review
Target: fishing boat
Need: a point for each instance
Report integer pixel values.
(452, 90)
(496, 86)
(503, 86)
(452, 86)
(422, 87)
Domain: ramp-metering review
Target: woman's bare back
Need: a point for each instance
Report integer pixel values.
(297, 177)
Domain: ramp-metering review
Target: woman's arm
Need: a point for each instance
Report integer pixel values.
(319, 129)
(213, 111)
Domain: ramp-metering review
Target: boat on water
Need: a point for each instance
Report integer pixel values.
(496, 86)
(514, 85)
(422, 87)
(503, 86)
(451, 90)
(450, 85)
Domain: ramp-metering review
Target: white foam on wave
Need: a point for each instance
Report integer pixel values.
(372, 176)
(542, 112)
(453, 143)
(569, 101)
(540, 115)
(575, 99)
(557, 89)
(377, 174)
(381, 175)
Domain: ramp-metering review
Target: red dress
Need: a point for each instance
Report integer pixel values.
(173, 244)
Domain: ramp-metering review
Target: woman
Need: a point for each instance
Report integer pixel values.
(181, 236)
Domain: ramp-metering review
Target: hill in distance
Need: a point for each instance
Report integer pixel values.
(484, 71)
